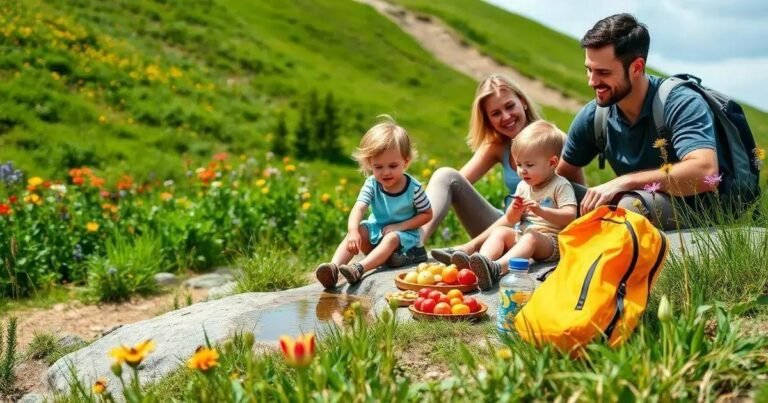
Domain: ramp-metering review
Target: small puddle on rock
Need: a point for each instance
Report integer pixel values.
(305, 314)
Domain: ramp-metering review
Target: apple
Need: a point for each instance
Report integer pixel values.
(411, 277)
(435, 295)
(460, 309)
(424, 292)
(442, 308)
(444, 298)
(467, 277)
(426, 278)
(418, 302)
(428, 306)
(472, 303)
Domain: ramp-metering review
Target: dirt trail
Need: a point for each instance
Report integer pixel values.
(446, 45)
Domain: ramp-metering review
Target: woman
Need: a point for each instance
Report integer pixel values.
(500, 111)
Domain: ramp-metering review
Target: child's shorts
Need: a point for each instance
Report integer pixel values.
(408, 239)
(555, 256)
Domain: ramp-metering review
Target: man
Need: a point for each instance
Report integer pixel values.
(682, 165)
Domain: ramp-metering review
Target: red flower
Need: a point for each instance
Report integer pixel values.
(13, 199)
(5, 209)
(298, 353)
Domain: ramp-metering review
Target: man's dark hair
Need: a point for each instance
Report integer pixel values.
(630, 38)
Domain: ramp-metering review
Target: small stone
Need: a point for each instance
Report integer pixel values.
(207, 281)
(166, 279)
(222, 291)
(32, 398)
(70, 340)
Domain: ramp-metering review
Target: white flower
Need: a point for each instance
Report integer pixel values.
(168, 183)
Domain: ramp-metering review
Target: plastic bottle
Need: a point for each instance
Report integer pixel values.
(515, 290)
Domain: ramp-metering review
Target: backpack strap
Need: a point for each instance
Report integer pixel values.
(660, 100)
(600, 127)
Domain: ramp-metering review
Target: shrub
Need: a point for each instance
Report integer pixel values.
(128, 268)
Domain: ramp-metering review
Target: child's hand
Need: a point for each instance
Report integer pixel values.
(354, 242)
(532, 206)
(515, 209)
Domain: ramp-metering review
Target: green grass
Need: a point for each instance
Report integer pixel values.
(270, 269)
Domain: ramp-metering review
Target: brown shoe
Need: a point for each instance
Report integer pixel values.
(487, 271)
(327, 274)
(460, 259)
(352, 272)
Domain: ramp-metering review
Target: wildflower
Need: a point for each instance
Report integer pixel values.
(432, 162)
(99, 386)
(221, 156)
(660, 143)
(78, 180)
(446, 233)
(305, 196)
(306, 205)
(102, 119)
(713, 180)
(286, 160)
(5, 209)
(637, 204)
(125, 183)
(666, 168)
(204, 359)
(261, 182)
(325, 198)
(652, 187)
(300, 352)
(426, 172)
(97, 182)
(92, 226)
(665, 309)
(504, 353)
(133, 355)
(168, 183)
(35, 181)
(13, 199)
(216, 184)
(33, 198)
(264, 190)
(343, 181)
(759, 156)
(165, 196)
(290, 168)
(270, 155)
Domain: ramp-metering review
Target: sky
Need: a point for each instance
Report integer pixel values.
(725, 43)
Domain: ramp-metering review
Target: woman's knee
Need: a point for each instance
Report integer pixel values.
(444, 175)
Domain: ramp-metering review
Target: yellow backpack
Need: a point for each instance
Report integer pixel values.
(610, 259)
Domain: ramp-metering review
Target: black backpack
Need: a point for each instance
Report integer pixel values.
(741, 172)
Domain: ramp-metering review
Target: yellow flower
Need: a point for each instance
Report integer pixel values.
(325, 198)
(290, 168)
(637, 204)
(306, 206)
(204, 359)
(176, 73)
(504, 353)
(299, 352)
(33, 198)
(759, 153)
(305, 196)
(102, 119)
(660, 143)
(426, 172)
(35, 181)
(265, 190)
(432, 162)
(261, 182)
(165, 196)
(133, 355)
(343, 181)
(99, 386)
(666, 168)
(92, 226)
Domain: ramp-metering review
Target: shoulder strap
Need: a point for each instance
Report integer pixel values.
(600, 123)
(660, 100)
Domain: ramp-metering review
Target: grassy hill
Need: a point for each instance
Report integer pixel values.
(143, 86)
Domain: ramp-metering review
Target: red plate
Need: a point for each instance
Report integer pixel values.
(433, 316)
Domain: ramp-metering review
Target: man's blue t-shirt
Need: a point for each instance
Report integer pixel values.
(629, 147)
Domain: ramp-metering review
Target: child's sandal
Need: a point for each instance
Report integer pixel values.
(327, 274)
(352, 272)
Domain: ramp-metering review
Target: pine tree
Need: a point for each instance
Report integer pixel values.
(316, 130)
(332, 129)
(302, 137)
(280, 139)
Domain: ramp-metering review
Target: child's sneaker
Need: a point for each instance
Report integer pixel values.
(327, 274)
(460, 259)
(352, 272)
(413, 255)
(488, 272)
(443, 255)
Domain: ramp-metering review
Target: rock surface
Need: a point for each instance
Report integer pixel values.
(268, 315)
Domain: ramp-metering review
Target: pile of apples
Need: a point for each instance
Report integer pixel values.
(440, 274)
(451, 303)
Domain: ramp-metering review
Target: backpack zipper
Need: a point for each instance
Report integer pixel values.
(621, 291)
(585, 285)
(662, 253)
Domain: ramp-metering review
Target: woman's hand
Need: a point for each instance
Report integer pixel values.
(354, 242)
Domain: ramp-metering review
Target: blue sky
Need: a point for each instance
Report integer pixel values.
(723, 42)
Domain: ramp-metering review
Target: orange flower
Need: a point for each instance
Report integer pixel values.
(206, 175)
(204, 359)
(78, 180)
(220, 156)
(97, 182)
(165, 196)
(5, 209)
(125, 183)
(300, 352)
(133, 355)
(99, 386)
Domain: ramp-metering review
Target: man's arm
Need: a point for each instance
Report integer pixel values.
(571, 172)
(684, 178)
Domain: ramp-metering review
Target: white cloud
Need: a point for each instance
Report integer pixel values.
(722, 42)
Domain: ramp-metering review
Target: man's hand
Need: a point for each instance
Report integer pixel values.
(602, 194)
(354, 242)
(515, 209)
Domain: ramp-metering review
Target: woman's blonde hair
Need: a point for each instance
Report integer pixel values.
(380, 138)
(480, 129)
(539, 137)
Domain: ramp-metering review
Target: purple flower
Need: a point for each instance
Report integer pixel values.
(652, 187)
(713, 180)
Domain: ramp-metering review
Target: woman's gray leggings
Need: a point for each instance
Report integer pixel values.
(448, 188)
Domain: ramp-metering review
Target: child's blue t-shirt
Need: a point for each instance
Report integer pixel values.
(390, 208)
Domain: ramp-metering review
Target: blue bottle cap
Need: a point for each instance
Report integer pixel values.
(517, 263)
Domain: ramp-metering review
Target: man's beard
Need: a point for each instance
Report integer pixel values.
(618, 94)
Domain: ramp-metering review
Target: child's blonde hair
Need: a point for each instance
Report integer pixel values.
(380, 138)
(480, 129)
(539, 137)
